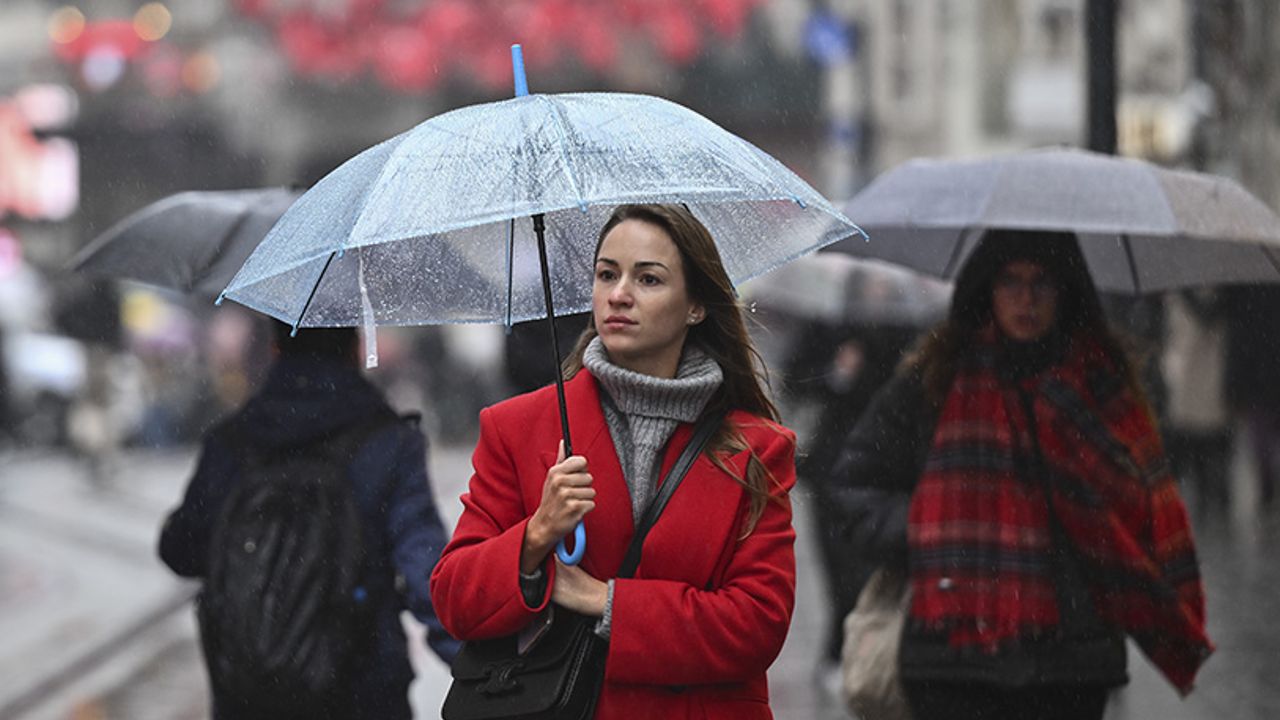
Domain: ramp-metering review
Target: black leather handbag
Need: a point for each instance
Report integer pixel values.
(559, 675)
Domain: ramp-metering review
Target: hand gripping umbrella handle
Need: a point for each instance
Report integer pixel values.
(579, 546)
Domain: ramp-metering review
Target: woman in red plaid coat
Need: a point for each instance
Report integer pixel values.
(1014, 470)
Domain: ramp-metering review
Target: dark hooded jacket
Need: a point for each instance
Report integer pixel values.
(302, 399)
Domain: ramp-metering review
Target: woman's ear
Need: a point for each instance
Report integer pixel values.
(696, 315)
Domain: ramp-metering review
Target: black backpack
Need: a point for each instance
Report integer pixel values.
(282, 611)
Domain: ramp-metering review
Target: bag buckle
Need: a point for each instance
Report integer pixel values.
(499, 677)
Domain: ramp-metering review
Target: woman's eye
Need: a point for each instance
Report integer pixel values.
(648, 279)
(604, 274)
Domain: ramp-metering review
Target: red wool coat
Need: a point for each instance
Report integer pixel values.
(706, 613)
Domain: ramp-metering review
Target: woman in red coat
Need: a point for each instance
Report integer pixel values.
(692, 633)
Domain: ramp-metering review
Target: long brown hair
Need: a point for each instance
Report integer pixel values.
(1079, 307)
(722, 334)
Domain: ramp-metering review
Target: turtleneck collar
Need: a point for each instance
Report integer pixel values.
(681, 398)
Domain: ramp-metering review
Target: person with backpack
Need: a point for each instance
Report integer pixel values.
(312, 525)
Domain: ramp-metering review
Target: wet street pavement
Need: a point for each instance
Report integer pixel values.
(95, 627)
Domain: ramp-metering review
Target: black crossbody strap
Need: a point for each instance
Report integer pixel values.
(702, 433)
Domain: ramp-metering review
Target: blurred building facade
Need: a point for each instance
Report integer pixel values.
(179, 95)
(969, 78)
(192, 94)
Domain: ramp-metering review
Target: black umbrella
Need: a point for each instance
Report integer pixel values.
(193, 242)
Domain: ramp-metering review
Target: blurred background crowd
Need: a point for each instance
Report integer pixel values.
(107, 107)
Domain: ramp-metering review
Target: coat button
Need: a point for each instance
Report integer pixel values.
(946, 583)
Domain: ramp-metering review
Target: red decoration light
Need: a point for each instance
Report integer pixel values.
(116, 36)
(410, 51)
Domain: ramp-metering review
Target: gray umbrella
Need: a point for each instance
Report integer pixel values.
(193, 242)
(842, 290)
(1142, 228)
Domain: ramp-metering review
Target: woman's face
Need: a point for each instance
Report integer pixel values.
(640, 300)
(1024, 301)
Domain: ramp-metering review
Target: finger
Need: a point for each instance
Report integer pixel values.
(577, 493)
(566, 572)
(572, 464)
(574, 479)
(560, 452)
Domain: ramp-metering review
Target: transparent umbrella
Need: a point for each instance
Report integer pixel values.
(432, 225)
(418, 230)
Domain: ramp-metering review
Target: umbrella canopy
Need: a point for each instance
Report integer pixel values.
(423, 229)
(1142, 228)
(193, 242)
(420, 229)
(842, 290)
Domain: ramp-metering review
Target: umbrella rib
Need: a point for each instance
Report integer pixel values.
(511, 250)
(1127, 244)
(957, 251)
(570, 170)
(306, 306)
(1266, 251)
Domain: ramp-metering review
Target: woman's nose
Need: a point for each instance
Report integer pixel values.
(620, 294)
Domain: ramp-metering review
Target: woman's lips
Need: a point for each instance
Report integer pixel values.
(617, 322)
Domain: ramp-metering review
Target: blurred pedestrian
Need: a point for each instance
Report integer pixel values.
(694, 630)
(1197, 424)
(1013, 469)
(316, 407)
(1253, 364)
(838, 368)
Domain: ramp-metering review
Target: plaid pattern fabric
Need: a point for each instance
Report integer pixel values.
(979, 531)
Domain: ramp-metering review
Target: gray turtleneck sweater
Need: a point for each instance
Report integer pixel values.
(642, 411)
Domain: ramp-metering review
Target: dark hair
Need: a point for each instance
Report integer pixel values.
(722, 334)
(340, 342)
(1079, 307)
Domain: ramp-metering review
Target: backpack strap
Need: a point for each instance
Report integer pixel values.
(702, 433)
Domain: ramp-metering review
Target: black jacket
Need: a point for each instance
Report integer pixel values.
(305, 399)
(872, 482)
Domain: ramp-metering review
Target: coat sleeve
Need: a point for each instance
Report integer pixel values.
(877, 470)
(185, 536)
(476, 584)
(666, 632)
(416, 535)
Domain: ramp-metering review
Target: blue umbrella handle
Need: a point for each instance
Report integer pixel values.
(579, 546)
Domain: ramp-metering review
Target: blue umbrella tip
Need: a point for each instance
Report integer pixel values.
(517, 71)
(221, 296)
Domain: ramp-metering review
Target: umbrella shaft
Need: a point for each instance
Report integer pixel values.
(539, 229)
